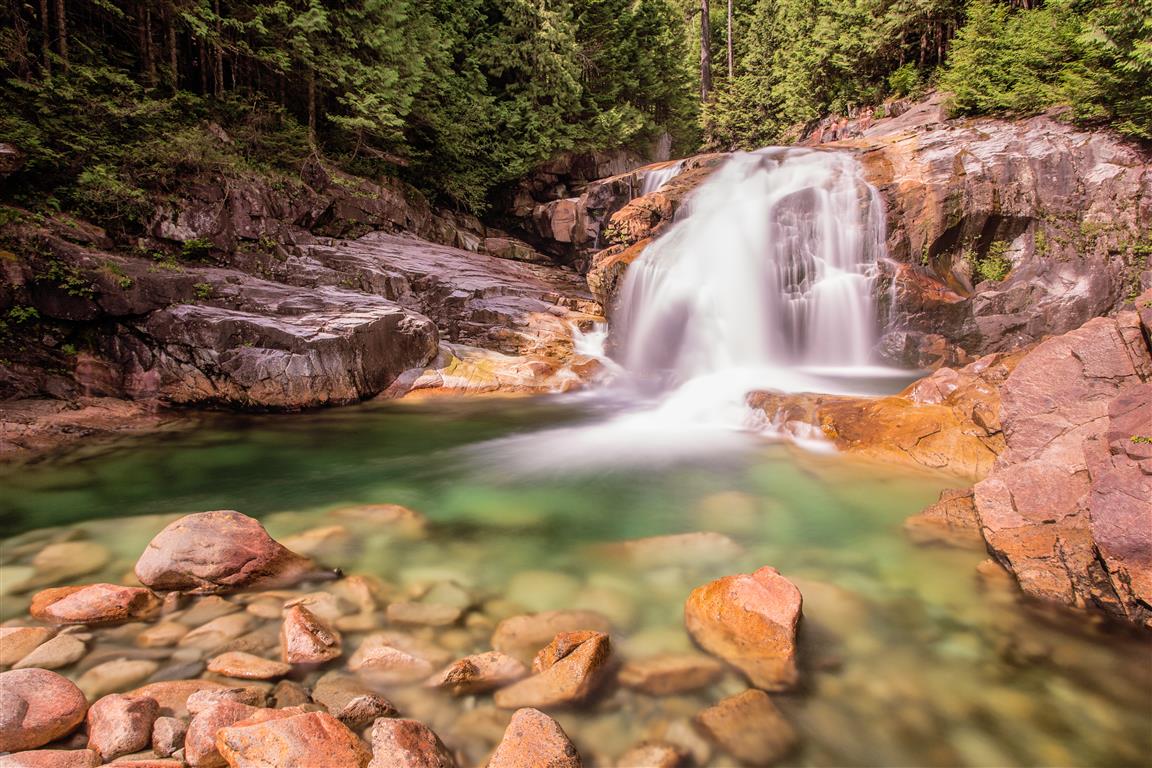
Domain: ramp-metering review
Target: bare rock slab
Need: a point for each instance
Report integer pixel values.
(750, 622)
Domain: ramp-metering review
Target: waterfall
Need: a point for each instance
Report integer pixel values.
(772, 268)
(657, 178)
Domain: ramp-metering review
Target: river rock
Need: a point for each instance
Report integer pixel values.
(671, 674)
(168, 736)
(522, 636)
(162, 635)
(480, 673)
(37, 706)
(309, 739)
(951, 521)
(307, 639)
(18, 642)
(52, 758)
(247, 666)
(653, 754)
(387, 665)
(533, 739)
(58, 652)
(116, 675)
(390, 517)
(350, 701)
(678, 549)
(423, 614)
(120, 725)
(94, 604)
(172, 695)
(289, 693)
(217, 632)
(400, 743)
(568, 671)
(200, 743)
(750, 622)
(749, 727)
(218, 551)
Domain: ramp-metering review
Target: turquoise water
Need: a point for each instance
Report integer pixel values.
(909, 657)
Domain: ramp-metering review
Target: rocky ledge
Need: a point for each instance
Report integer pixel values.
(1059, 438)
(234, 650)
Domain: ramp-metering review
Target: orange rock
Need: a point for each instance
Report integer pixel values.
(18, 642)
(951, 521)
(749, 727)
(750, 622)
(653, 754)
(480, 673)
(52, 758)
(247, 666)
(201, 748)
(401, 743)
(671, 674)
(532, 740)
(572, 667)
(350, 701)
(309, 739)
(306, 639)
(120, 725)
(172, 695)
(94, 604)
(522, 636)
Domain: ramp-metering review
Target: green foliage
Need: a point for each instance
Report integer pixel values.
(995, 264)
(203, 291)
(906, 80)
(196, 249)
(21, 315)
(1141, 439)
(68, 278)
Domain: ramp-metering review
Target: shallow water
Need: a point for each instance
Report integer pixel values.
(909, 658)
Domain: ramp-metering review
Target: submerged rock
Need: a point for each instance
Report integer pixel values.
(308, 739)
(654, 754)
(18, 642)
(400, 743)
(36, 707)
(750, 622)
(522, 636)
(58, 652)
(94, 604)
(350, 701)
(533, 740)
(951, 521)
(568, 671)
(749, 727)
(480, 673)
(247, 666)
(218, 551)
(671, 674)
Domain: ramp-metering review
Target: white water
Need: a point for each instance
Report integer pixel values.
(765, 281)
(653, 180)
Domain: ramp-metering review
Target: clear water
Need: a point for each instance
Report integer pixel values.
(909, 658)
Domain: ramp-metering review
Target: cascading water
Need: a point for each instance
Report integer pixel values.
(772, 268)
(657, 178)
(764, 281)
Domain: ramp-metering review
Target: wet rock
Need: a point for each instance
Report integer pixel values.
(522, 636)
(568, 671)
(533, 739)
(654, 754)
(252, 696)
(313, 738)
(401, 743)
(386, 664)
(58, 652)
(18, 642)
(750, 622)
(679, 549)
(218, 551)
(317, 540)
(94, 604)
(168, 736)
(247, 666)
(672, 674)
(749, 728)
(52, 758)
(66, 560)
(172, 695)
(114, 676)
(480, 673)
(951, 521)
(423, 614)
(36, 707)
(392, 517)
(200, 743)
(120, 725)
(307, 639)
(350, 701)
(218, 632)
(162, 635)
(206, 608)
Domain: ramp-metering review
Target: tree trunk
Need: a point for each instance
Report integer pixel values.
(173, 53)
(312, 107)
(218, 59)
(62, 33)
(705, 52)
(731, 62)
(45, 37)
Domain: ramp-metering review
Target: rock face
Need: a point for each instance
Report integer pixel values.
(36, 707)
(750, 622)
(94, 604)
(534, 740)
(1068, 506)
(218, 552)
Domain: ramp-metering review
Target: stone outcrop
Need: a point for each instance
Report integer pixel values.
(1068, 506)
(749, 620)
(218, 551)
